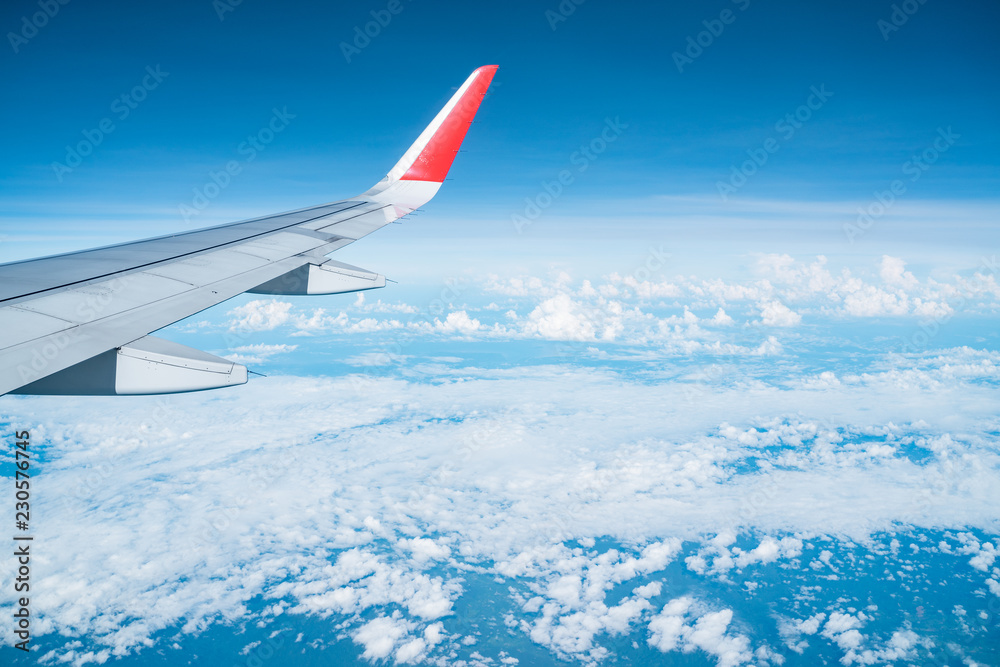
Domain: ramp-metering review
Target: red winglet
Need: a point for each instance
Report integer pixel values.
(437, 156)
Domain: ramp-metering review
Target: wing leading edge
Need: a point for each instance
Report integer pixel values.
(79, 323)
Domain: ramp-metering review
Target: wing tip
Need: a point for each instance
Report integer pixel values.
(435, 158)
(423, 168)
(488, 70)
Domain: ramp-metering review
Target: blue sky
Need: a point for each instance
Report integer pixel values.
(556, 87)
(655, 425)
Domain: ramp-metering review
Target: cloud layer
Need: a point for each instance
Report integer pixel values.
(625, 468)
(381, 503)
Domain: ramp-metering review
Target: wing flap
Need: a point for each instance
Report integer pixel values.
(84, 304)
(20, 325)
(280, 245)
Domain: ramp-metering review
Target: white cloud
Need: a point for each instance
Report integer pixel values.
(424, 549)
(560, 318)
(375, 359)
(572, 599)
(721, 319)
(869, 301)
(521, 286)
(354, 497)
(792, 631)
(983, 554)
(646, 289)
(724, 556)
(360, 303)
(777, 314)
(382, 635)
(710, 635)
(458, 322)
(319, 321)
(258, 353)
(667, 628)
(839, 623)
(893, 272)
(769, 551)
(260, 315)
(672, 629)
(673, 315)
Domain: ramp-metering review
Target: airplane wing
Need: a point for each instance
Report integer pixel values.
(78, 324)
